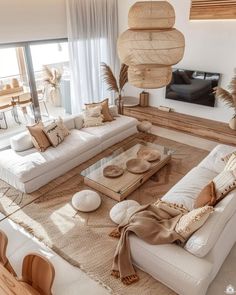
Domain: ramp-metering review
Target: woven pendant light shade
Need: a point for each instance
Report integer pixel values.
(151, 45)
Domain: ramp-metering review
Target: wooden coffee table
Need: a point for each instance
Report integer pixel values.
(121, 187)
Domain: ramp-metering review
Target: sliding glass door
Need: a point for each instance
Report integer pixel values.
(34, 84)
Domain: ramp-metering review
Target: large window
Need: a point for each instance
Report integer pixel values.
(34, 83)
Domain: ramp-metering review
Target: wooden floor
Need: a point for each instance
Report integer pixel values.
(209, 129)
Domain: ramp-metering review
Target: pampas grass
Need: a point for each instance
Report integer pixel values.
(52, 76)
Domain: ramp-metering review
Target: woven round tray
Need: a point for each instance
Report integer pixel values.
(137, 166)
(149, 154)
(113, 171)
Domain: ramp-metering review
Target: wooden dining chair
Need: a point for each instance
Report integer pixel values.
(23, 101)
(39, 273)
(3, 258)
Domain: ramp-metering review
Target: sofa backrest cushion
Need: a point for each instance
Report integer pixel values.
(21, 142)
(203, 240)
(79, 121)
(69, 122)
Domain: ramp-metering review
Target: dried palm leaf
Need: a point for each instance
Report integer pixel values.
(232, 86)
(109, 78)
(226, 96)
(123, 78)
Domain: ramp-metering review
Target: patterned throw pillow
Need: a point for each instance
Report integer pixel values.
(54, 134)
(62, 126)
(227, 157)
(224, 182)
(39, 139)
(107, 117)
(192, 221)
(231, 164)
(206, 197)
(93, 117)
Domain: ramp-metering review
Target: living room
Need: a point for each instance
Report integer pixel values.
(117, 147)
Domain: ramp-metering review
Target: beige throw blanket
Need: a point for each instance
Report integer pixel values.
(154, 224)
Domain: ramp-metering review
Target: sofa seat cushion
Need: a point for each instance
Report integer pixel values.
(203, 240)
(110, 129)
(188, 188)
(214, 160)
(31, 163)
(172, 265)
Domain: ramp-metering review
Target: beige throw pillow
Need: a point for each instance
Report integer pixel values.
(39, 139)
(192, 221)
(54, 134)
(231, 164)
(224, 182)
(93, 117)
(107, 117)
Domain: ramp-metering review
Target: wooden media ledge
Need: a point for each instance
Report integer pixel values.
(209, 129)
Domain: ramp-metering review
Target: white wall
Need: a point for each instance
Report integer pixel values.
(24, 20)
(210, 46)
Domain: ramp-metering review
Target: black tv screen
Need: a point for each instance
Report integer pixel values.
(193, 87)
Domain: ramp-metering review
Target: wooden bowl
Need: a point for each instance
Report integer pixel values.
(137, 166)
(113, 171)
(149, 154)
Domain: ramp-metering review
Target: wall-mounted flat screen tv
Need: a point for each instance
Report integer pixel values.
(193, 87)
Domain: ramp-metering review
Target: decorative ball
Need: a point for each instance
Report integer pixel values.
(86, 201)
(144, 126)
(121, 210)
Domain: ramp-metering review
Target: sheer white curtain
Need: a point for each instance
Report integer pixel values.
(92, 35)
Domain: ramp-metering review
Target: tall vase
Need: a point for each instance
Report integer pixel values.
(232, 123)
(120, 104)
(55, 95)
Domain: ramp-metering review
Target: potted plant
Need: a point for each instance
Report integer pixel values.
(114, 84)
(229, 97)
(52, 79)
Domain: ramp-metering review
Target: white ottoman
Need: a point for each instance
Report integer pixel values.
(86, 201)
(144, 126)
(120, 211)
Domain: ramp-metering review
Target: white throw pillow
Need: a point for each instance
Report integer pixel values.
(204, 239)
(113, 111)
(21, 142)
(79, 121)
(54, 134)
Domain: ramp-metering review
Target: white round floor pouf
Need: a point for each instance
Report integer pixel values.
(122, 209)
(86, 201)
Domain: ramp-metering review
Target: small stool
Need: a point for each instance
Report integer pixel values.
(86, 201)
(144, 126)
(123, 209)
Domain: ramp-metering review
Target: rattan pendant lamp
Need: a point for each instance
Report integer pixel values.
(151, 45)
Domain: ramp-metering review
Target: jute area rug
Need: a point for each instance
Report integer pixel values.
(81, 238)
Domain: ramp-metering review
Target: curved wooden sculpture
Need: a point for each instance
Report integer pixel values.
(151, 45)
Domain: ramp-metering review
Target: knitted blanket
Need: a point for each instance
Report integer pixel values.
(154, 224)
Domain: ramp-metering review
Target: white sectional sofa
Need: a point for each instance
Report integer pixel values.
(190, 269)
(23, 167)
